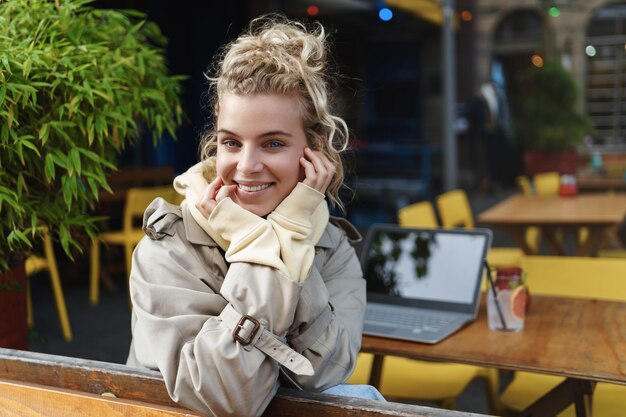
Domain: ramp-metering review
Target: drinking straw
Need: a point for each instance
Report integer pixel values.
(495, 294)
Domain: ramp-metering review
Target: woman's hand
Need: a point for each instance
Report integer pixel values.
(318, 170)
(215, 193)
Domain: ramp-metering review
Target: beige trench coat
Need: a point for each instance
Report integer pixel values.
(182, 288)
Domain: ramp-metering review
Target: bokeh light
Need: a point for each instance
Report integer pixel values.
(385, 14)
(466, 15)
(554, 11)
(590, 50)
(537, 60)
(312, 10)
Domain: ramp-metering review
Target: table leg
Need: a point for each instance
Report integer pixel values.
(591, 245)
(583, 396)
(377, 370)
(549, 234)
(571, 391)
(519, 236)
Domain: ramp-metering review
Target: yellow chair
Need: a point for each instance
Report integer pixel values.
(137, 199)
(455, 211)
(524, 185)
(420, 214)
(533, 234)
(571, 277)
(547, 183)
(48, 262)
(407, 379)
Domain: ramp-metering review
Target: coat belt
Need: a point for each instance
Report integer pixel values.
(250, 332)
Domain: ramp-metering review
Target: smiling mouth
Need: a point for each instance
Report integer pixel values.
(253, 188)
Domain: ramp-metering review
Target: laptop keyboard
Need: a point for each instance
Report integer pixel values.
(423, 321)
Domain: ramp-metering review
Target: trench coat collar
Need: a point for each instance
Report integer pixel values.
(195, 234)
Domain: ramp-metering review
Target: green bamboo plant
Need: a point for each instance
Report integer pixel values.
(77, 85)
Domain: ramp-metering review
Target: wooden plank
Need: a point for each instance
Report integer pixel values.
(292, 403)
(84, 375)
(29, 400)
(60, 381)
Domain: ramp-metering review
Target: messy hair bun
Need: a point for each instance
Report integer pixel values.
(279, 56)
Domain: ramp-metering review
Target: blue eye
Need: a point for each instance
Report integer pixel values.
(274, 144)
(230, 143)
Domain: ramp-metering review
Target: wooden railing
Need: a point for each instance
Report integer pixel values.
(36, 384)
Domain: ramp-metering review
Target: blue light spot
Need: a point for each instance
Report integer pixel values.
(385, 14)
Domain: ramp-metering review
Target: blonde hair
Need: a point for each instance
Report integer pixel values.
(279, 56)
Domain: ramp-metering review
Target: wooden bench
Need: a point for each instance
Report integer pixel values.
(36, 384)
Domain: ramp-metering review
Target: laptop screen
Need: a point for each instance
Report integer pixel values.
(424, 267)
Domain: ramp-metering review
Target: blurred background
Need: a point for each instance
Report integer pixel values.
(395, 57)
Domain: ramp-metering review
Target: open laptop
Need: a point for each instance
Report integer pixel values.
(422, 284)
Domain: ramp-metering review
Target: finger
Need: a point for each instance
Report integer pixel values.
(214, 187)
(331, 170)
(225, 191)
(309, 173)
(206, 202)
(325, 170)
(317, 159)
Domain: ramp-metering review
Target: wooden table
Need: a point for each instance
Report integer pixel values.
(580, 339)
(597, 212)
(588, 183)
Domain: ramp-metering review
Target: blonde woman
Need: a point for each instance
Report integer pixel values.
(250, 284)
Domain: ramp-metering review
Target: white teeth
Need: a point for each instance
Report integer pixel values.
(252, 188)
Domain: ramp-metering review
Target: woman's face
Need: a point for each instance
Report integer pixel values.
(260, 139)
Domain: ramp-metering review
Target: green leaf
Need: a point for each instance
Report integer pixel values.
(5, 62)
(30, 145)
(74, 157)
(21, 183)
(18, 236)
(49, 170)
(93, 186)
(27, 67)
(67, 192)
(43, 133)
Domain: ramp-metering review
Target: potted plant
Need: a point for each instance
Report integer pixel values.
(76, 86)
(548, 124)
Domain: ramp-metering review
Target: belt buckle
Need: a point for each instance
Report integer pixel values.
(247, 340)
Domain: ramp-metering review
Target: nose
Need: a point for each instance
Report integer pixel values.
(250, 160)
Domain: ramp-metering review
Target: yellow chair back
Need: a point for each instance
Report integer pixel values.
(547, 183)
(455, 210)
(524, 185)
(601, 278)
(138, 199)
(420, 214)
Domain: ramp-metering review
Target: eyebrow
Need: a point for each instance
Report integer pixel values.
(266, 134)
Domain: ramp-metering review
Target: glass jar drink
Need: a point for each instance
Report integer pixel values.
(507, 311)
